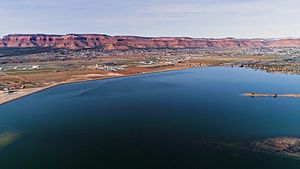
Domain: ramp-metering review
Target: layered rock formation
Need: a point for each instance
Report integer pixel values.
(81, 41)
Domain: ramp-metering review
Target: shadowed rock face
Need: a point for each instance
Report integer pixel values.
(81, 41)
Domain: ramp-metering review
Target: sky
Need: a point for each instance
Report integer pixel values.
(193, 18)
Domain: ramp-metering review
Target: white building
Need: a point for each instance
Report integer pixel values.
(35, 67)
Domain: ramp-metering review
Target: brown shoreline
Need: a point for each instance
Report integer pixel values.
(9, 97)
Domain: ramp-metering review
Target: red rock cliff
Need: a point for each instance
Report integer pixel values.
(80, 41)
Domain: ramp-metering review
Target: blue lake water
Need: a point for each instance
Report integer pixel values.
(155, 121)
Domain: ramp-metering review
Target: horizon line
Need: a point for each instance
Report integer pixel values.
(141, 36)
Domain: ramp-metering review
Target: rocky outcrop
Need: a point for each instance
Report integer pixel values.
(81, 41)
(285, 43)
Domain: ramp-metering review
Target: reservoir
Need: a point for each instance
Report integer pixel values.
(187, 119)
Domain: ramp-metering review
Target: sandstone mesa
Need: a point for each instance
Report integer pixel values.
(84, 41)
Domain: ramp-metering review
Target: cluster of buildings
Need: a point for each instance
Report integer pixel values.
(273, 51)
(110, 68)
(20, 67)
(11, 87)
(106, 66)
(272, 66)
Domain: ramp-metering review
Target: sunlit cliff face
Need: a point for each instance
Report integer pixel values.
(81, 41)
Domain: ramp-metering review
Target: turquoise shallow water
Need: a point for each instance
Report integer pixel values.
(164, 120)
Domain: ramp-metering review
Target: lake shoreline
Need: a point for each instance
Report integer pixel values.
(9, 97)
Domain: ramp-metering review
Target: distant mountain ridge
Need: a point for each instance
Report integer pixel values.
(84, 41)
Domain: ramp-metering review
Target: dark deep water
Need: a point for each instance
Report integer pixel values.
(156, 121)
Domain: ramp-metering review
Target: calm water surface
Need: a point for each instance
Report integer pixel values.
(158, 121)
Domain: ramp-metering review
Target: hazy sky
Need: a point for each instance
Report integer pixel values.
(196, 18)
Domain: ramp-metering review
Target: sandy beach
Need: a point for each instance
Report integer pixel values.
(7, 97)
